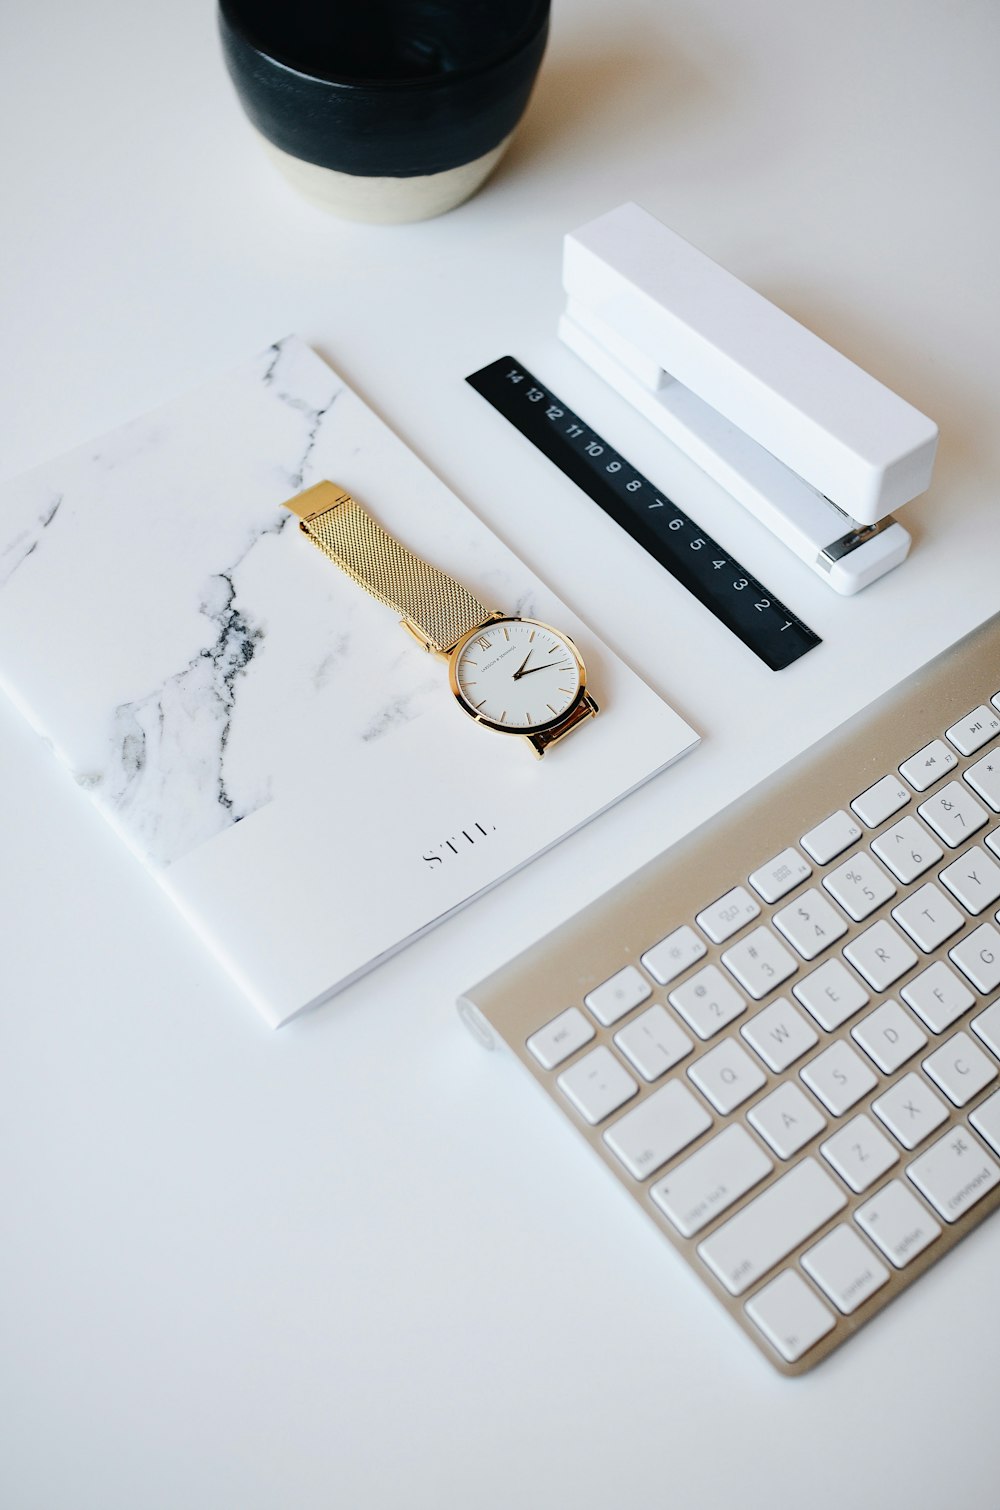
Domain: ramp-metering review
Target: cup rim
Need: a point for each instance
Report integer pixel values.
(426, 83)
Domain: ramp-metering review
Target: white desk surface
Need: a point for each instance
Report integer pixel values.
(361, 1263)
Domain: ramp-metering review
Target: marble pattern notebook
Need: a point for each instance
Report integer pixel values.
(264, 736)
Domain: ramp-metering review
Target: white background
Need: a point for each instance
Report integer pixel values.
(360, 1262)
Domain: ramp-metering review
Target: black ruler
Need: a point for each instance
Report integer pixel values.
(697, 561)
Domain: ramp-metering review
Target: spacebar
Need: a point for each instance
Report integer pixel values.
(766, 1231)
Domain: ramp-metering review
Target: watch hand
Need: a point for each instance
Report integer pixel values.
(520, 669)
(550, 666)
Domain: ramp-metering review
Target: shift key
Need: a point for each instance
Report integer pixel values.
(743, 1249)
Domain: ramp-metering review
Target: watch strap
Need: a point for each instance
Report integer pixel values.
(584, 709)
(436, 607)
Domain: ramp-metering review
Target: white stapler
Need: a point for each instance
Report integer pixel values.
(814, 447)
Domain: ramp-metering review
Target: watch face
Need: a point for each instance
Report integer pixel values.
(517, 674)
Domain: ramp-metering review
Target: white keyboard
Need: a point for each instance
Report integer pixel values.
(783, 1035)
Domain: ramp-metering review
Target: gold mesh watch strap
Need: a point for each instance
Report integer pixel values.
(434, 604)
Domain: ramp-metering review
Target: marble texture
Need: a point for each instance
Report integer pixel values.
(260, 732)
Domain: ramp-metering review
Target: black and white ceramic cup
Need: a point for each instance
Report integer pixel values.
(384, 110)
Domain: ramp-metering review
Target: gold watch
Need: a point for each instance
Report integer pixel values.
(514, 675)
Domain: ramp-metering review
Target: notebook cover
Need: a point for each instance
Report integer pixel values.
(263, 735)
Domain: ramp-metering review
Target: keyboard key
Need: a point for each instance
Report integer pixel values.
(659, 1127)
(787, 1119)
(986, 1120)
(960, 1068)
(953, 813)
(910, 1110)
(859, 1153)
(780, 875)
(899, 1223)
(993, 840)
(625, 990)
(704, 1185)
(672, 955)
(984, 779)
(791, 1315)
(773, 1225)
(759, 962)
(928, 917)
(810, 924)
(708, 1001)
(929, 765)
(560, 1038)
(727, 1075)
(908, 849)
(597, 1085)
(881, 955)
(653, 1043)
(974, 730)
(839, 1077)
(728, 915)
(831, 994)
(860, 885)
(880, 801)
(987, 1025)
(954, 1174)
(938, 996)
(974, 880)
(845, 1268)
(889, 1035)
(831, 837)
(780, 1034)
(978, 957)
